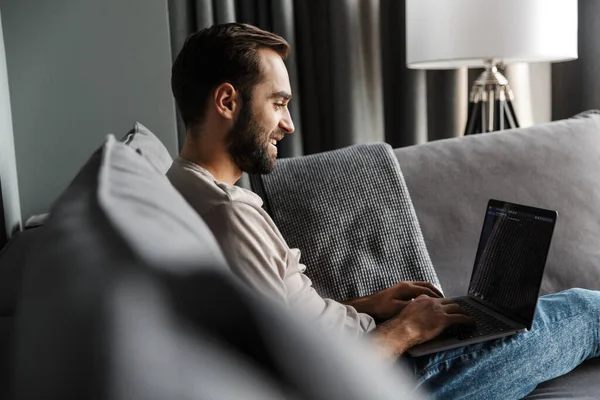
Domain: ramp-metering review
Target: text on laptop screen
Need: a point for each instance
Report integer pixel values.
(510, 259)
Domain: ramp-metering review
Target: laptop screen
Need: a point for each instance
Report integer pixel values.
(511, 258)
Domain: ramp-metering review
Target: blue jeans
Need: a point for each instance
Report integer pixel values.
(566, 332)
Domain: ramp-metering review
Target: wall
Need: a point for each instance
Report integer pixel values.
(10, 211)
(79, 69)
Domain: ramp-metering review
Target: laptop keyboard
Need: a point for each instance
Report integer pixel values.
(485, 323)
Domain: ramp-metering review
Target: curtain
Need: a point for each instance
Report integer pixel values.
(351, 85)
(347, 71)
(575, 84)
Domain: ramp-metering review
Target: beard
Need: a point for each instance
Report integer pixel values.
(248, 143)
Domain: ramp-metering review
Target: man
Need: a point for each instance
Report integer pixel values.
(232, 88)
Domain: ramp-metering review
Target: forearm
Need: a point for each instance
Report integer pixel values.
(362, 305)
(394, 340)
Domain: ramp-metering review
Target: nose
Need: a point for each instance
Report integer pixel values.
(286, 123)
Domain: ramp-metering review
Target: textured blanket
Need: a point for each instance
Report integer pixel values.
(350, 213)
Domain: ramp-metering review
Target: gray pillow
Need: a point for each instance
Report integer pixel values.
(554, 165)
(146, 143)
(155, 219)
(351, 215)
(127, 296)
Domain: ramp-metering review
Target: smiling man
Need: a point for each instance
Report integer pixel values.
(232, 89)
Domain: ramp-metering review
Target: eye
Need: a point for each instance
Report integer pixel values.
(279, 105)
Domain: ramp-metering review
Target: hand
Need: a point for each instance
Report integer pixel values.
(391, 301)
(420, 321)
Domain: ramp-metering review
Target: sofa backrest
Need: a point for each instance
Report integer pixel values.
(117, 230)
(552, 166)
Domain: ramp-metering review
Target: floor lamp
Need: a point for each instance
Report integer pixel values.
(449, 34)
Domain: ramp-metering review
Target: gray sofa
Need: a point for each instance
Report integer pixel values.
(61, 279)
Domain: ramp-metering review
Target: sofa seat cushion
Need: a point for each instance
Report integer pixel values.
(581, 383)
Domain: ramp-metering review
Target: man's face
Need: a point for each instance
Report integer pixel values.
(263, 119)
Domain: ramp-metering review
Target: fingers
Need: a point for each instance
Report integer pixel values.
(430, 286)
(450, 307)
(454, 308)
(420, 290)
(443, 301)
(423, 296)
(459, 319)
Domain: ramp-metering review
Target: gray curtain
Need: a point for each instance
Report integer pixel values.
(576, 84)
(347, 70)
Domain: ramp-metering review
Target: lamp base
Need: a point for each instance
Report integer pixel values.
(490, 103)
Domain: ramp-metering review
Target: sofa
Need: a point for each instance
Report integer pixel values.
(124, 293)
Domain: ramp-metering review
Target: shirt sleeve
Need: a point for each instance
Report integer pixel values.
(250, 247)
(330, 313)
(258, 254)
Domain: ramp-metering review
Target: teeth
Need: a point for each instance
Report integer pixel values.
(274, 142)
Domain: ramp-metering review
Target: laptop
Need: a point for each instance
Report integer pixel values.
(506, 278)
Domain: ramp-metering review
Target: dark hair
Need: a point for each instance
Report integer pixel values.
(218, 54)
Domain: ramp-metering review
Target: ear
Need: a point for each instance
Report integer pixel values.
(226, 100)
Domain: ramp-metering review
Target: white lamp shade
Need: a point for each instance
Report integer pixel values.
(442, 34)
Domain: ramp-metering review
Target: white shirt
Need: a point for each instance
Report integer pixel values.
(255, 249)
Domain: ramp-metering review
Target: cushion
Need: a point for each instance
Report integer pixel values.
(6, 356)
(126, 295)
(145, 208)
(351, 215)
(12, 259)
(553, 165)
(581, 383)
(146, 143)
